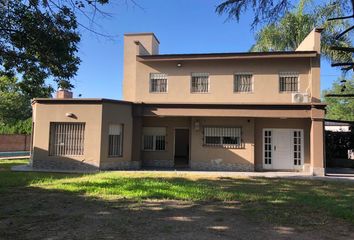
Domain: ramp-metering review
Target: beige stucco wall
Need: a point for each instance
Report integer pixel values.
(117, 114)
(261, 123)
(265, 70)
(221, 78)
(218, 158)
(91, 114)
(202, 157)
(135, 44)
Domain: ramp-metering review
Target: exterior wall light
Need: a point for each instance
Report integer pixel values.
(179, 65)
(70, 115)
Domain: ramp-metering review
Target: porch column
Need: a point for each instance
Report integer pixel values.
(136, 142)
(317, 153)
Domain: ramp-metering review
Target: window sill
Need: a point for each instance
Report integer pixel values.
(288, 92)
(120, 156)
(144, 150)
(224, 146)
(243, 92)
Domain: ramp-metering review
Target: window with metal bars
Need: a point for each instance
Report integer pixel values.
(288, 82)
(154, 139)
(158, 82)
(228, 137)
(66, 139)
(200, 83)
(115, 140)
(243, 83)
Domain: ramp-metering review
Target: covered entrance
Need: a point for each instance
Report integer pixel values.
(181, 153)
(283, 149)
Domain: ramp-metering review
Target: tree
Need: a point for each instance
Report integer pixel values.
(270, 11)
(288, 33)
(340, 108)
(13, 104)
(39, 38)
(15, 98)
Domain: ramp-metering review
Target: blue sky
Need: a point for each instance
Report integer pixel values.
(182, 26)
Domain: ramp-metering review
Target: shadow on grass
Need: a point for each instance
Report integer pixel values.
(111, 205)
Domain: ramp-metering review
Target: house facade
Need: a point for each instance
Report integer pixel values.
(218, 111)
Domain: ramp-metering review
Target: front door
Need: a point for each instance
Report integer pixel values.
(181, 147)
(282, 149)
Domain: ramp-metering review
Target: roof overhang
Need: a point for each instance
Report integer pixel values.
(261, 110)
(77, 101)
(313, 111)
(226, 56)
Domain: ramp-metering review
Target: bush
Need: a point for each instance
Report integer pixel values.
(18, 127)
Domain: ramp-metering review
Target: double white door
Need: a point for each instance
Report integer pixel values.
(283, 149)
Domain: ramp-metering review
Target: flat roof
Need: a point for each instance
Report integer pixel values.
(142, 34)
(189, 105)
(78, 100)
(234, 55)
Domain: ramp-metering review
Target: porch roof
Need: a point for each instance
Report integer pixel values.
(276, 110)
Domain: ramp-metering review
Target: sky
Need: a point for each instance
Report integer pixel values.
(182, 26)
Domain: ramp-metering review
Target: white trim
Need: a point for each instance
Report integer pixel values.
(270, 166)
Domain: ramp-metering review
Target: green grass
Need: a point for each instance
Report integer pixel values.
(301, 202)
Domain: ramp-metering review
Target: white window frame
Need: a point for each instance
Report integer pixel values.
(112, 132)
(148, 131)
(242, 74)
(199, 74)
(151, 78)
(289, 74)
(225, 129)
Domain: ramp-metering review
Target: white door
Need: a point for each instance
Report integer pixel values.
(282, 149)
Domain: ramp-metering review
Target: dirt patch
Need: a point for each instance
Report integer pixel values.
(31, 213)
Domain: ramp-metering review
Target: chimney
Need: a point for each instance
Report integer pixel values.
(63, 93)
(312, 42)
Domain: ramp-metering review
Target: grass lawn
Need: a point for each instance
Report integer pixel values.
(44, 203)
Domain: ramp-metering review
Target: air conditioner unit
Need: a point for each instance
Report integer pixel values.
(300, 98)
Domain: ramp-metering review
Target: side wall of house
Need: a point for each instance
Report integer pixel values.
(117, 114)
(44, 114)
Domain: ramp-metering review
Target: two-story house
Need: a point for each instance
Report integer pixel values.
(219, 111)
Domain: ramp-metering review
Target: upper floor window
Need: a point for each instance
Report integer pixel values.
(154, 138)
(200, 83)
(243, 83)
(158, 82)
(115, 140)
(288, 82)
